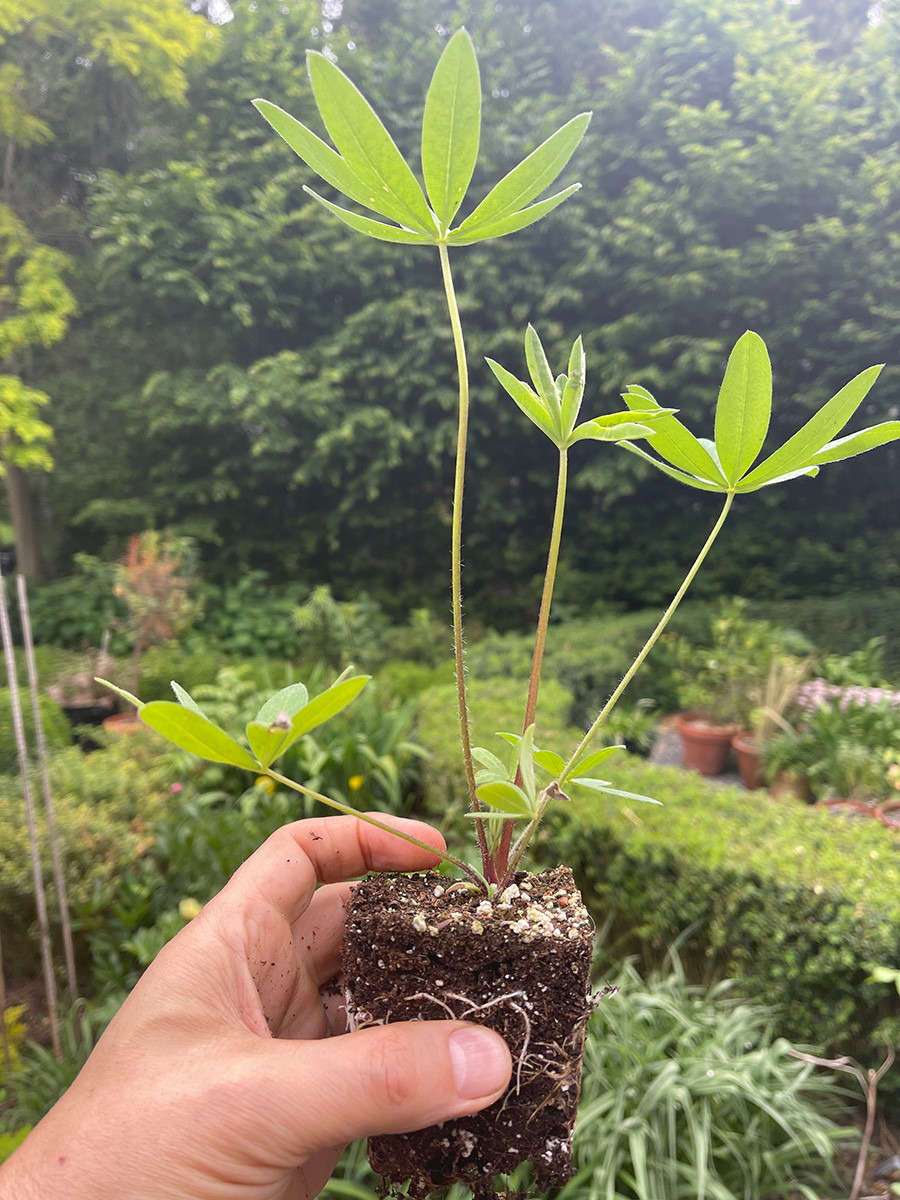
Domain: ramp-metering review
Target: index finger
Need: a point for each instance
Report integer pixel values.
(283, 873)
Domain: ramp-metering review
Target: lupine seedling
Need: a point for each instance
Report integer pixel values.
(365, 165)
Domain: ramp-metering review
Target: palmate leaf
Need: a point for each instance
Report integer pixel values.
(374, 229)
(673, 441)
(528, 401)
(744, 407)
(513, 223)
(451, 128)
(195, 733)
(528, 179)
(365, 144)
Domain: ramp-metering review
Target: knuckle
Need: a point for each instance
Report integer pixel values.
(393, 1070)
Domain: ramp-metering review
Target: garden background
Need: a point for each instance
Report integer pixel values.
(191, 345)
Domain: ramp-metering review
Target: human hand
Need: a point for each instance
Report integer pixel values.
(218, 1080)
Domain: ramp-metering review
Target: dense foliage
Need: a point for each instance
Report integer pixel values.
(740, 170)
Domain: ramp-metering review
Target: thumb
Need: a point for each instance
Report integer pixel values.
(385, 1079)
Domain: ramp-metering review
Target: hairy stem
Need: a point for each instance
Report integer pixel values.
(369, 820)
(456, 555)
(501, 855)
(650, 643)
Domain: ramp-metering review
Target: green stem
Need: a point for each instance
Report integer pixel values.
(650, 643)
(369, 820)
(509, 871)
(456, 554)
(501, 855)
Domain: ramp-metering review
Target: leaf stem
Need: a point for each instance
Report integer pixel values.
(650, 643)
(502, 852)
(369, 820)
(456, 554)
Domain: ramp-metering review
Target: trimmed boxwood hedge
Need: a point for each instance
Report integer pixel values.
(795, 903)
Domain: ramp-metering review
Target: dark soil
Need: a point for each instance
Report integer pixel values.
(420, 948)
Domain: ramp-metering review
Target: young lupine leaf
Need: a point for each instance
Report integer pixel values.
(599, 785)
(322, 159)
(289, 700)
(694, 481)
(196, 734)
(595, 758)
(798, 451)
(451, 128)
(675, 443)
(365, 144)
(858, 443)
(744, 407)
(573, 389)
(120, 692)
(598, 431)
(375, 229)
(511, 224)
(267, 741)
(526, 399)
(744, 488)
(326, 705)
(185, 698)
(541, 375)
(503, 794)
(550, 761)
(491, 761)
(528, 179)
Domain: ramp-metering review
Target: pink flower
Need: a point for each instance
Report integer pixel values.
(175, 788)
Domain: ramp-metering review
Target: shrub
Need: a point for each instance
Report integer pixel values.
(687, 1093)
(57, 730)
(74, 612)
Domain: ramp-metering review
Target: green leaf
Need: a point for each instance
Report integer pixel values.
(491, 761)
(503, 794)
(187, 699)
(676, 444)
(289, 700)
(528, 179)
(550, 761)
(120, 692)
(451, 127)
(744, 487)
(366, 145)
(496, 815)
(594, 759)
(600, 431)
(798, 451)
(693, 481)
(196, 734)
(526, 399)
(600, 786)
(267, 741)
(858, 443)
(374, 229)
(514, 223)
(325, 706)
(573, 391)
(744, 407)
(541, 375)
(323, 160)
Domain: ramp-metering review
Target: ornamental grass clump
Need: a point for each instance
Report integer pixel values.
(497, 946)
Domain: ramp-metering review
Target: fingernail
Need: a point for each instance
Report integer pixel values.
(480, 1062)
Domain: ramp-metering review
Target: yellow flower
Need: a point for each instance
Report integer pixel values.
(263, 781)
(355, 782)
(189, 908)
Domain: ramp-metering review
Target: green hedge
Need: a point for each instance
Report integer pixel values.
(795, 903)
(57, 731)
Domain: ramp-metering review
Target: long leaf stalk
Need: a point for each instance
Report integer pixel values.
(501, 854)
(370, 820)
(456, 555)
(650, 643)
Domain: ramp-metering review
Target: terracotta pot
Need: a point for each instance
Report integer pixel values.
(126, 722)
(704, 745)
(748, 760)
(790, 785)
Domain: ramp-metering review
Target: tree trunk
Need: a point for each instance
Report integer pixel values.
(21, 507)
